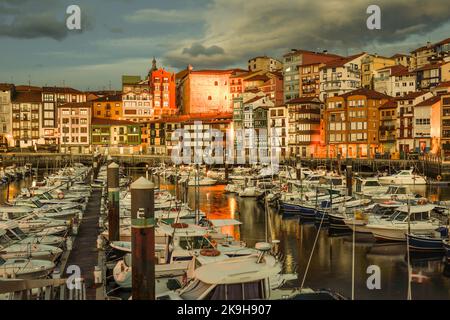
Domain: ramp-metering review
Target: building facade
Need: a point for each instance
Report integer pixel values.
(278, 120)
(369, 65)
(108, 107)
(26, 119)
(340, 76)
(395, 81)
(6, 92)
(304, 126)
(387, 130)
(74, 125)
(264, 63)
(352, 123)
(115, 136)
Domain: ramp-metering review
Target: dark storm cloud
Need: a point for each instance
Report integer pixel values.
(26, 19)
(197, 49)
(273, 27)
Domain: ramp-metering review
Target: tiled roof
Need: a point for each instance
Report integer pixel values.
(398, 55)
(389, 104)
(430, 66)
(429, 101)
(60, 90)
(397, 70)
(258, 77)
(411, 95)
(28, 88)
(342, 61)
(370, 94)
(304, 100)
(32, 96)
(445, 41)
(254, 99)
(443, 84)
(6, 86)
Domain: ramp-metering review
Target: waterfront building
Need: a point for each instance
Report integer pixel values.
(387, 129)
(369, 65)
(405, 120)
(163, 89)
(108, 107)
(352, 123)
(291, 69)
(26, 120)
(304, 126)
(430, 75)
(137, 99)
(6, 92)
(265, 64)
(403, 60)
(395, 81)
(115, 136)
(278, 120)
(74, 125)
(444, 126)
(431, 52)
(340, 76)
(205, 91)
(424, 135)
(52, 98)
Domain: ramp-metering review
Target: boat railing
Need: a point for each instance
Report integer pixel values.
(44, 289)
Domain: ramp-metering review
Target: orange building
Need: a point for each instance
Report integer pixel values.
(108, 107)
(164, 92)
(205, 91)
(352, 123)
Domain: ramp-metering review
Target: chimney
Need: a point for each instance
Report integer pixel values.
(190, 67)
(428, 44)
(325, 51)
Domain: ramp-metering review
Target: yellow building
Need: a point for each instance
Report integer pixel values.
(369, 65)
(108, 107)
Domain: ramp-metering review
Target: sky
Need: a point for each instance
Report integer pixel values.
(121, 36)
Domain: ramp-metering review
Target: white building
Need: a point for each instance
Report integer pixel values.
(6, 91)
(423, 124)
(340, 76)
(278, 121)
(74, 125)
(395, 81)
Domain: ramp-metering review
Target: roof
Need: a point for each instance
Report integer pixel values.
(369, 94)
(411, 95)
(131, 79)
(111, 122)
(216, 71)
(60, 90)
(116, 97)
(390, 104)
(445, 41)
(254, 99)
(217, 116)
(397, 70)
(28, 88)
(430, 66)
(27, 96)
(443, 84)
(76, 105)
(342, 61)
(304, 100)
(258, 77)
(399, 55)
(6, 86)
(429, 101)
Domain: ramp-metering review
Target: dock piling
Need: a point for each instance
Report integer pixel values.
(113, 201)
(143, 239)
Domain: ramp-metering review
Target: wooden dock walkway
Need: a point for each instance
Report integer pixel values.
(84, 253)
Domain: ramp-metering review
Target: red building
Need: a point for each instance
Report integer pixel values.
(162, 85)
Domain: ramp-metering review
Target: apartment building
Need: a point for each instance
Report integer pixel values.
(422, 126)
(369, 65)
(340, 76)
(352, 123)
(387, 129)
(265, 64)
(115, 136)
(406, 120)
(74, 127)
(395, 81)
(304, 126)
(430, 75)
(6, 92)
(278, 121)
(108, 107)
(52, 98)
(444, 128)
(26, 118)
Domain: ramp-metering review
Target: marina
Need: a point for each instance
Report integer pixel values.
(312, 237)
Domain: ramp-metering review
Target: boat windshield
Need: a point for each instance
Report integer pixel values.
(2, 261)
(16, 233)
(4, 240)
(391, 190)
(192, 243)
(372, 183)
(398, 216)
(194, 290)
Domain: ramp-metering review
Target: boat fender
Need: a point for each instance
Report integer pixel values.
(439, 178)
(61, 195)
(421, 202)
(209, 252)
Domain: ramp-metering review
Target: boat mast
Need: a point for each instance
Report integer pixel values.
(409, 297)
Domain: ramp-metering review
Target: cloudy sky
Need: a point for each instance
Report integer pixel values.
(121, 36)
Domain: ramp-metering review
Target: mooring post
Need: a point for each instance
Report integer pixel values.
(349, 174)
(226, 172)
(113, 202)
(143, 239)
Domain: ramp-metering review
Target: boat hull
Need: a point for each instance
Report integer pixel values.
(425, 243)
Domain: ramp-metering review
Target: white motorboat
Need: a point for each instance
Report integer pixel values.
(403, 177)
(250, 192)
(257, 276)
(14, 232)
(206, 181)
(368, 186)
(396, 193)
(395, 227)
(25, 268)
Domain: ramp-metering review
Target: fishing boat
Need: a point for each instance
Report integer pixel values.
(394, 192)
(428, 241)
(25, 268)
(415, 218)
(404, 177)
(338, 214)
(14, 232)
(368, 187)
